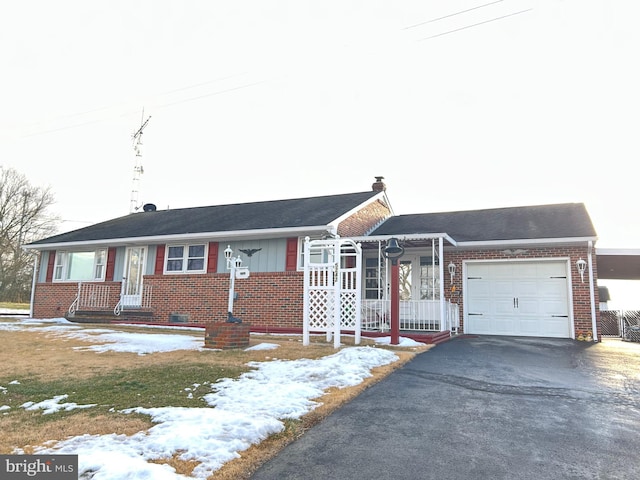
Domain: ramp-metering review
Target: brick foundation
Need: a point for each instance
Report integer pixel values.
(225, 336)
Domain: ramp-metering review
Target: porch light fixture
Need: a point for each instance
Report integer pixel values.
(452, 271)
(582, 266)
(393, 251)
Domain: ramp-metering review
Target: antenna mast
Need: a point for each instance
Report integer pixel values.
(137, 169)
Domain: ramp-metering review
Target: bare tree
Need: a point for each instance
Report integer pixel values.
(23, 218)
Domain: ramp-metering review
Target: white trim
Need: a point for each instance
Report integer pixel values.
(411, 236)
(65, 265)
(186, 237)
(359, 207)
(592, 294)
(617, 251)
(525, 241)
(564, 259)
(185, 259)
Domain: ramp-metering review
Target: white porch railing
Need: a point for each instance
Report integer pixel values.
(142, 301)
(415, 315)
(91, 296)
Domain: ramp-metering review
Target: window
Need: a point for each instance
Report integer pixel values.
(373, 278)
(429, 278)
(317, 255)
(80, 266)
(185, 259)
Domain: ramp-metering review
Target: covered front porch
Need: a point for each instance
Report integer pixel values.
(356, 275)
(423, 303)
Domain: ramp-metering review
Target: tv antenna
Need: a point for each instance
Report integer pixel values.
(138, 170)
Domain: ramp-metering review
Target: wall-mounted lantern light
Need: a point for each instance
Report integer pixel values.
(582, 266)
(452, 271)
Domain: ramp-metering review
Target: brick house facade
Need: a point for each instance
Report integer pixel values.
(271, 299)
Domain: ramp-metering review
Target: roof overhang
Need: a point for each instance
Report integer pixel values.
(414, 238)
(618, 263)
(188, 237)
(527, 241)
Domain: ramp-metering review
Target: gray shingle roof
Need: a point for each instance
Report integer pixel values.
(566, 220)
(300, 212)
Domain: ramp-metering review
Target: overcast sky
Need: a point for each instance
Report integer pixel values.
(460, 104)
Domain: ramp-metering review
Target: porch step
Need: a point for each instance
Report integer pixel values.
(432, 338)
(92, 317)
(107, 316)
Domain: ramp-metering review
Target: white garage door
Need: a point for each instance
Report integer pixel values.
(518, 298)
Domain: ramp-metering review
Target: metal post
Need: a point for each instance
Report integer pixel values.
(393, 251)
(395, 302)
(233, 264)
(232, 283)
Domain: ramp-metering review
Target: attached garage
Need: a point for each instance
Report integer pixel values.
(518, 298)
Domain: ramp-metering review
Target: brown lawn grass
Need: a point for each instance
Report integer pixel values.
(47, 365)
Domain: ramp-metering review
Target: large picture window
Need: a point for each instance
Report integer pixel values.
(80, 266)
(186, 259)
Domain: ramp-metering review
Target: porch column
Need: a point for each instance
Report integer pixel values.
(443, 301)
(395, 302)
(393, 251)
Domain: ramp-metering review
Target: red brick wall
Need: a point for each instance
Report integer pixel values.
(265, 299)
(227, 335)
(275, 299)
(52, 300)
(581, 293)
(363, 221)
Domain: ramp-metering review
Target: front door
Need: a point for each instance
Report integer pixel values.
(131, 295)
(419, 283)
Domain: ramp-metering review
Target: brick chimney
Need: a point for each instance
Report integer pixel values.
(379, 185)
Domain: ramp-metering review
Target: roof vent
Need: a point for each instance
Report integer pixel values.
(149, 207)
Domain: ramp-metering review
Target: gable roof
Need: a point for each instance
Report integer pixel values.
(312, 213)
(560, 221)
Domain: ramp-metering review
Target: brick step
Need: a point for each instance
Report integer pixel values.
(107, 316)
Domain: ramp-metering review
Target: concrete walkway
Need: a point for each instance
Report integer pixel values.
(485, 408)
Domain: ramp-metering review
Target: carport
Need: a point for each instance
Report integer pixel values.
(618, 263)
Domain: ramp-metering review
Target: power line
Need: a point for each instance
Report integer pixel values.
(184, 100)
(475, 24)
(452, 15)
(162, 105)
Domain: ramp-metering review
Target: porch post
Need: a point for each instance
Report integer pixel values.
(395, 302)
(392, 252)
(443, 305)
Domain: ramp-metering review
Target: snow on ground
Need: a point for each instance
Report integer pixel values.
(53, 405)
(14, 311)
(241, 412)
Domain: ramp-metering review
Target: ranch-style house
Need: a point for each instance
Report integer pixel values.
(517, 271)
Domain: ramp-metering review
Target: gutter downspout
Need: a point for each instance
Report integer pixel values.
(36, 257)
(594, 324)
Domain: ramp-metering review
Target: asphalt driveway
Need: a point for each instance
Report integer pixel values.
(485, 408)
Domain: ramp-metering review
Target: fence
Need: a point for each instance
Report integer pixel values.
(621, 323)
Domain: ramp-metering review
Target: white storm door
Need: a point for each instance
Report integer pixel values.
(131, 295)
